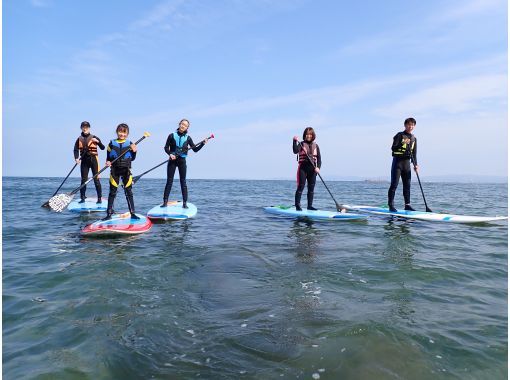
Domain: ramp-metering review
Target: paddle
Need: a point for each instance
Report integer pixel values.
(47, 203)
(339, 207)
(59, 202)
(135, 179)
(421, 188)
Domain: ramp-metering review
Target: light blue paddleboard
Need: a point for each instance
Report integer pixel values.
(290, 211)
(427, 216)
(172, 211)
(89, 205)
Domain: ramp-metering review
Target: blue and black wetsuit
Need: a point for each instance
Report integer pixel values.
(178, 144)
(306, 170)
(121, 169)
(86, 150)
(401, 166)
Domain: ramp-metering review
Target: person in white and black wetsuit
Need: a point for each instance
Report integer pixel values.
(307, 171)
(85, 154)
(404, 146)
(177, 145)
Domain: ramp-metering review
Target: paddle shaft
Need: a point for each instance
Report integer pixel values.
(46, 204)
(106, 167)
(338, 206)
(421, 188)
(135, 179)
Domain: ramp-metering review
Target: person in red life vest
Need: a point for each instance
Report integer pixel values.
(177, 145)
(121, 169)
(404, 149)
(85, 154)
(309, 158)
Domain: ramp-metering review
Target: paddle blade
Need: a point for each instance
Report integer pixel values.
(212, 136)
(428, 209)
(59, 202)
(146, 134)
(46, 204)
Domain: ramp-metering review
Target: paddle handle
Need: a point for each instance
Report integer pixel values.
(146, 134)
(135, 179)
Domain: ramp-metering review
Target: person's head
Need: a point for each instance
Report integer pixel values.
(309, 134)
(409, 124)
(183, 126)
(85, 126)
(122, 131)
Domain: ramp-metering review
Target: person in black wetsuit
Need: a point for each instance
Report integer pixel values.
(307, 171)
(404, 150)
(177, 145)
(85, 152)
(121, 169)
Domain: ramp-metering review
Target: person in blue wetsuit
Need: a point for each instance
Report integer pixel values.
(307, 170)
(404, 149)
(177, 145)
(85, 154)
(121, 169)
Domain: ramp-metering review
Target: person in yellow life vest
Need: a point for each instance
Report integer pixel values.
(85, 154)
(121, 169)
(309, 158)
(404, 149)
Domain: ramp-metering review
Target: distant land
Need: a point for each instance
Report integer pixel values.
(443, 178)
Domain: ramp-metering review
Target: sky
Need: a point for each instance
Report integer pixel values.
(255, 73)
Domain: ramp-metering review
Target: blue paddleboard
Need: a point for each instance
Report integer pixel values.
(172, 211)
(89, 205)
(290, 211)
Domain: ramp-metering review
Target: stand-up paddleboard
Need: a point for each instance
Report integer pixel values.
(89, 205)
(427, 216)
(172, 211)
(119, 224)
(290, 211)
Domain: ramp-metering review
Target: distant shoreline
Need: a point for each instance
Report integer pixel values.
(432, 179)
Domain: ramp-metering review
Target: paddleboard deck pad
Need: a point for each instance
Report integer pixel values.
(119, 224)
(172, 211)
(290, 211)
(89, 205)
(427, 216)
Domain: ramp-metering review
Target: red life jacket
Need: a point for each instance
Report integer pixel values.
(311, 150)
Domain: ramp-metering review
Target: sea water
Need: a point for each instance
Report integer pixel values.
(236, 293)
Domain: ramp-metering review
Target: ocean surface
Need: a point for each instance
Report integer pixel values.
(236, 293)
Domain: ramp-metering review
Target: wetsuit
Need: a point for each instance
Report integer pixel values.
(401, 166)
(121, 169)
(86, 150)
(306, 170)
(178, 144)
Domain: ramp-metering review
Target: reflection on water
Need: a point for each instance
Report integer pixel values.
(307, 240)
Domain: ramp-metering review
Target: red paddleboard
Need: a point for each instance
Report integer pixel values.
(119, 224)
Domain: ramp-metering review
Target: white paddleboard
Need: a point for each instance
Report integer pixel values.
(427, 216)
(172, 211)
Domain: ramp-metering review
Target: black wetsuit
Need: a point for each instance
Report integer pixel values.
(89, 161)
(401, 165)
(121, 169)
(179, 163)
(306, 172)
